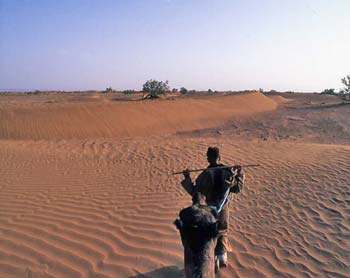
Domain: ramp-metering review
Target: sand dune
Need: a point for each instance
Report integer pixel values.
(278, 99)
(81, 118)
(104, 207)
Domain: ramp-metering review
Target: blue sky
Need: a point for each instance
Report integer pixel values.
(300, 45)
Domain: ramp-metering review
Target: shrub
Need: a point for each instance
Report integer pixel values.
(109, 90)
(346, 82)
(155, 88)
(128, 92)
(328, 92)
(183, 90)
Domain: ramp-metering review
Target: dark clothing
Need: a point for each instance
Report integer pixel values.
(213, 184)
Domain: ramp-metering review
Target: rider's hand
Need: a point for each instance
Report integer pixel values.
(239, 179)
(237, 168)
(238, 171)
(186, 173)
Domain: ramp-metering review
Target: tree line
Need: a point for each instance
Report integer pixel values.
(154, 89)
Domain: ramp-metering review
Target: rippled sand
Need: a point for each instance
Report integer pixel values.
(102, 204)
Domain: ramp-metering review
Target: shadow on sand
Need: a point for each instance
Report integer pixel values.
(164, 272)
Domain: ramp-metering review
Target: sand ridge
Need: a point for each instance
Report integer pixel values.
(84, 119)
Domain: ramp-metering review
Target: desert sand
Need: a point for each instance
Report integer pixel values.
(86, 187)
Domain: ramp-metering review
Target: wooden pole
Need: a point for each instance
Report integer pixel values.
(219, 167)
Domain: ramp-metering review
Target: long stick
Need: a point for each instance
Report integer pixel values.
(219, 167)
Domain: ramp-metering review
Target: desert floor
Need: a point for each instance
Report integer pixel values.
(86, 187)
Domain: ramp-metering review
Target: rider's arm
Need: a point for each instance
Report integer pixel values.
(187, 183)
(238, 182)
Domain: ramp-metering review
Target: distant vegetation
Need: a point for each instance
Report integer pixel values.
(332, 91)
(183, 90)
(109, 90)
(328, 92)
(127, 92)
(343, 92)
(155, 88)
(346, 82)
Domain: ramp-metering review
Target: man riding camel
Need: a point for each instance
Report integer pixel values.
(213, 184)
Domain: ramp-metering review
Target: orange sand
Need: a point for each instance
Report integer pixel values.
(97, 118)
(104, 207)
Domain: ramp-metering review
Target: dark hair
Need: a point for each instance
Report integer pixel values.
(213, 152)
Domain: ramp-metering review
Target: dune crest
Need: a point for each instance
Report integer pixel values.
(278, 99)
(83, 119)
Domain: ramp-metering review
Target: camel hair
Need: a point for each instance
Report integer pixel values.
(198, 226)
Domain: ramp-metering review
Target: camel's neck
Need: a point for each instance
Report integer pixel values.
(200, 264)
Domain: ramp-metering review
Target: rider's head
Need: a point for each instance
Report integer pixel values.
(213, 155)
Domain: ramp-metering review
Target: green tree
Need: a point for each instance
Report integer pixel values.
(127, 92)
(183, 90)
(109, 90)
(155, 88)
(328, 92)
(346, 82)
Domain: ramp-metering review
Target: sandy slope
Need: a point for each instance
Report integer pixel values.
(104, 207)
(85, 117)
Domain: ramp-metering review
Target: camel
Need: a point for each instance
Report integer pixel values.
(198, 226)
